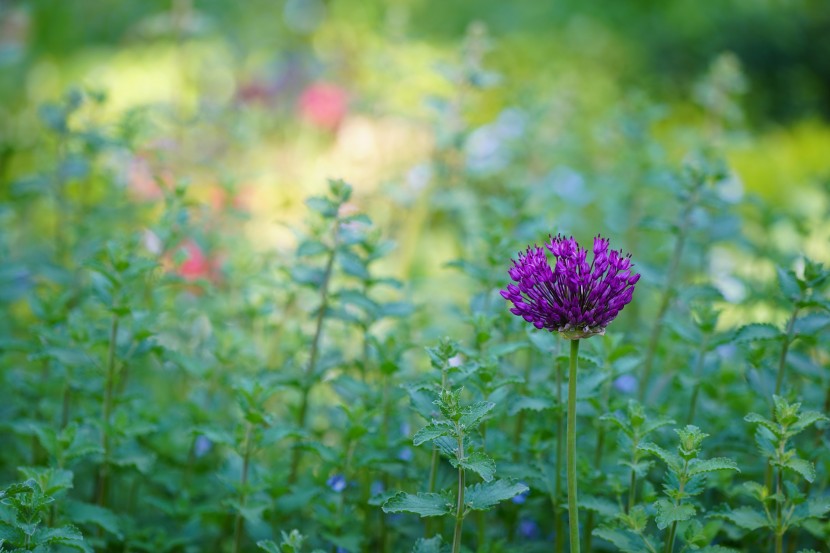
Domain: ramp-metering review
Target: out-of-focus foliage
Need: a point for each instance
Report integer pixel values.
(210, 342)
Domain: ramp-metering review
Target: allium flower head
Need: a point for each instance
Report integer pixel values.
(573, 298)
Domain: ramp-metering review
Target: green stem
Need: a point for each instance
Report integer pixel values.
(779, 529)
(243, 493)
(632, 480)
(557, 505)
(312, 362)
(433, 467)
(668, 290)
(673, 531)
(782, 360)
(573, 511)
(103, 473)
(598, 452)
(704, 344)
(459, 509)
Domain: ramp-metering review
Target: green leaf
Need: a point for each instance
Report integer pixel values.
(765, 422)
(483, 497)
(698, 466)
(756, 331)
(268, 546)
(66, 535)
(672, 460)
(432, 545)
(624, 541)
(323, 206)
(746, 517)
(668, 512)
(431, 431)
(481, 464)
(810, 324)
(524, 403)
(806, 419)
(814, 508)
(472, 415)
(308, 248)
(603, 506)
(788, 284)
(423, 504)
(803, 467)
(87, 513)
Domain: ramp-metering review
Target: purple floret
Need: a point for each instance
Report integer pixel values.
(574, 298)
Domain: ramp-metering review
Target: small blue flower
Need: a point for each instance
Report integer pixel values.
(405, 429)
(405, 454)
(522, 497)
(528, 529)
(376, 488)
(337, 483)
(626, 383)
(202, 446)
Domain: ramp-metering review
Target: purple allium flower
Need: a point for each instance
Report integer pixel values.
(337, 483)
(626, 383)
(573, 298)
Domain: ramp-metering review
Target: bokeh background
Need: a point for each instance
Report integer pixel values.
(428, 108)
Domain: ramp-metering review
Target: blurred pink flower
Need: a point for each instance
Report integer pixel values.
(323, 105)
(196, 265)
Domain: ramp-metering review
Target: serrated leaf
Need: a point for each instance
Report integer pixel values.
(668, 512)
(625, 541)
(431, 431)
(756, 331)
(788, 284)
(806, 419)
(423, 504)
(481, 464)
(87, 513)
(603, 506)
(810, 324)
(308, 248)
(814, 508)
(525, 403)
(803, 467)
(763, 421)
(268, 546)
(745, 517)
(472, 414)
(672, 460)
(697, 466)
(432, 545)
(483, 497)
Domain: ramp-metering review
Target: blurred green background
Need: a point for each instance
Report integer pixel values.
(255, 103)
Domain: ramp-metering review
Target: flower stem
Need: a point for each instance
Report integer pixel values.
(573, 512)
(560, 431)
(459, 509)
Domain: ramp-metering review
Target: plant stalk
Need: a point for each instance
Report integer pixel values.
(459, 509)
(103, 473)
(704, 344)
(665, 300)
(559, 535)
(243, 494)
(312, 362)
(782, 360)
(573, 510)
